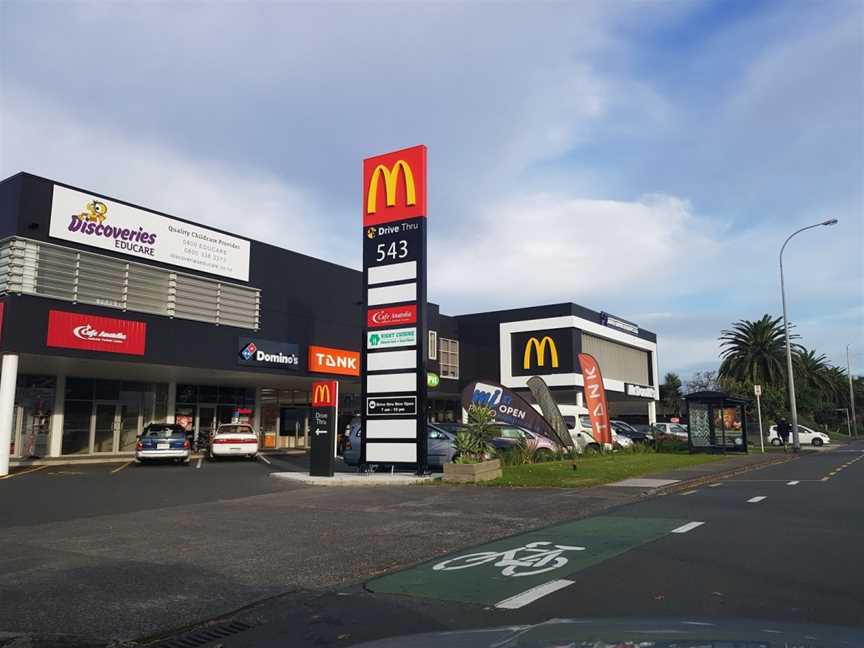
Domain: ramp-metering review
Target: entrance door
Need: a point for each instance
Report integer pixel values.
(105, 423)
(206, 421)
(129, 426)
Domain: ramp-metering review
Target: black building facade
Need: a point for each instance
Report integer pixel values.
(114, 316)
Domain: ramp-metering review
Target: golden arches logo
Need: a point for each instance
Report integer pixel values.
(539, 347)
(391, 178)
(321, 394)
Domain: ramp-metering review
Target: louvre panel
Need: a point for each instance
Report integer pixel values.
(617, 361)
(53, 271)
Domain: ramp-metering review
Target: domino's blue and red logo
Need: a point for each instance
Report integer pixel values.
(248, 351)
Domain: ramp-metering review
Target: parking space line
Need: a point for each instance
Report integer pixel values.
(715, 485)
(687, 527)
(757, 499)
(792, 483)
(530, 595)
(23, 472)
(264, 459)
(198, 465)
(126, 465)
(690, 492)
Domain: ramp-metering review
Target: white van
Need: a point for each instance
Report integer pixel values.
(578, 421)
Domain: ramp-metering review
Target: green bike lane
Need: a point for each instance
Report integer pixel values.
(496, 572)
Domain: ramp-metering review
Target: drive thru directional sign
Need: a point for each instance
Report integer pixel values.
(499, 570)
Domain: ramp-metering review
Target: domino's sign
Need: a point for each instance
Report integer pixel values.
(254, 352)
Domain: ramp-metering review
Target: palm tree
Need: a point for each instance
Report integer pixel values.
(838, 385)
(755, 351)
(670, 393)
(813, 371)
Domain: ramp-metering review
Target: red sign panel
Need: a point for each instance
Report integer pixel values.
(391, 316)
(595, 398)
(94, 333)
(334, 361)
(324, 393)
(394, 186)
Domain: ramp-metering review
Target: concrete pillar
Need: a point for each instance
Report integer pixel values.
(256, 409)
(172, 402)
(55, 441)
(8, 378)
(652, 412)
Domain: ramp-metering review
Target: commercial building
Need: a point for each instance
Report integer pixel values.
(113, 316)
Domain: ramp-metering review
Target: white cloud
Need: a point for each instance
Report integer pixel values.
(237, 198)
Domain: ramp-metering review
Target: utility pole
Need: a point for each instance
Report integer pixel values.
(851, 393)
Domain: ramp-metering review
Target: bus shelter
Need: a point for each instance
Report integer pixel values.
(716, 422)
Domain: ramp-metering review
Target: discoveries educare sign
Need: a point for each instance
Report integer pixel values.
(101, 223)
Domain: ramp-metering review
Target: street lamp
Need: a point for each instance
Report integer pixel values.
(796, 445)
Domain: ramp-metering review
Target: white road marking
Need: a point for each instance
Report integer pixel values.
(754, 500)
(687, 527)
(792, 483)
(264, 459)
(198, 465)
(529, 596)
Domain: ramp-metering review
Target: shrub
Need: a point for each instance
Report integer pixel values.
(472, 443)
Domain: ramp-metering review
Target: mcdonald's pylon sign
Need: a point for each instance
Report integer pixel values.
(539, 348)
(324, 393)
(394, 186)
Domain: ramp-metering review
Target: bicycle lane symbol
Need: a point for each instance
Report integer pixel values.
(528, 560)
(500, 569)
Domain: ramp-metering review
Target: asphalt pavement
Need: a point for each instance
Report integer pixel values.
(777, 545)
(162, 557)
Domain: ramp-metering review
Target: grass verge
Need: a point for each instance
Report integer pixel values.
(595, 470)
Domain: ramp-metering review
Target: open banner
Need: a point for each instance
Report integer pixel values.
(595, 399)
(507, 406)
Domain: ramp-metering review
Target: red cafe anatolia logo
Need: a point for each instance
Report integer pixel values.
(391, 316)
(89, 333)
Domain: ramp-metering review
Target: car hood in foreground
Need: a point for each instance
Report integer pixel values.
(636, 633)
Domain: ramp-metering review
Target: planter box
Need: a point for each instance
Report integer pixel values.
(463, 473)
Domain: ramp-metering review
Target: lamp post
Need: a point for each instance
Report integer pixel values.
(796, 444)
(851, 392)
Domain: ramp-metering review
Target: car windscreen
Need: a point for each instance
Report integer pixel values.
(235, 429)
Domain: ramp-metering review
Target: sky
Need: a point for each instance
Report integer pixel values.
(643, 158)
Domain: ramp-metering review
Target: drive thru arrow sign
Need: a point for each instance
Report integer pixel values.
(317, 432)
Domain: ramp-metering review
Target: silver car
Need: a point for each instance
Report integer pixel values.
(440, 445)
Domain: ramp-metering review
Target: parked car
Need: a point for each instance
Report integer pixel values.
(163, 441)
(623, 428)
(676, 430)
(440, 445)
(806, 436)
(234, 440)
(578, 423)
(507, 436)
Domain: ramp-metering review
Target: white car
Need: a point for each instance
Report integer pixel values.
(234, 440)
(578, 423)
(676, 430)
(805, 436)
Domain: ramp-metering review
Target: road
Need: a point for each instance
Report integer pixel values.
(145, 552)
(781, 544)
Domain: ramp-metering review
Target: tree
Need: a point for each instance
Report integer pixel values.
(670, 393)
(703, 381)
(754, 351)
(813, 372)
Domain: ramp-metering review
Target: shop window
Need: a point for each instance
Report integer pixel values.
(449, 358)
(208, 394)
(187, 394)
(76, 427)
(106, 389)
(34, 403)
(79, 389)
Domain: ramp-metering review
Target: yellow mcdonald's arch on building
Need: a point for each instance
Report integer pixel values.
(539, 347)
(391, 177)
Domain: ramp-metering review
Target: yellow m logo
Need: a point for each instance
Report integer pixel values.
(321, 394)
(391, 177)
(539, 347)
